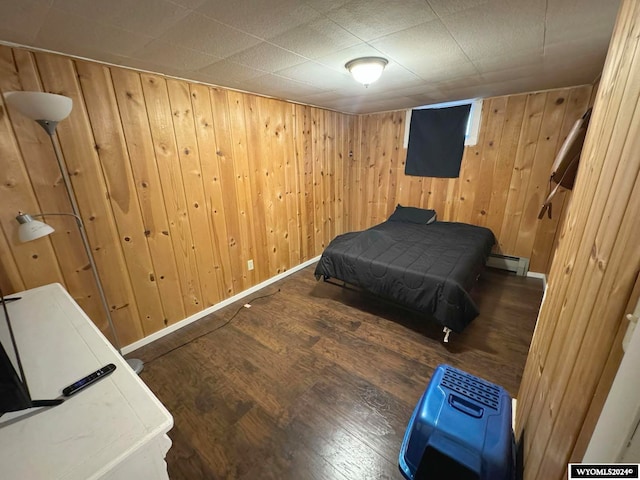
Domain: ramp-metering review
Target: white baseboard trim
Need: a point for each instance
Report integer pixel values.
(542, 276)
(197, 316)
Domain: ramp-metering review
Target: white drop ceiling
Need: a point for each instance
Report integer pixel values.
(438, 50)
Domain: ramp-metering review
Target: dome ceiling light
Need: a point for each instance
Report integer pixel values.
(366, 70)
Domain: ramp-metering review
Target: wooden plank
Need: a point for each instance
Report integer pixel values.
(338, 174)
(491, 141)
(305, 180)
(294, 198)
(102, 108)
(36, 260)
(188, 155)
(18, 193)
(522, 169)
(10, 278)
(537, 185)
(396, 156)
(317, 152)
(471, 175)
(263, 177)
(252, 227)
(503, 168)
(438, 197)
(77, 143)
(272, 113)
(329, 167)
(577, 103)
(383, 159)
(544, 245)
(353, 178)
(148, 188)
(210, 152)
(605, 381)
(164, 146)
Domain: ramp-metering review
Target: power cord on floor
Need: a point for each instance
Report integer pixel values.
(227, 322)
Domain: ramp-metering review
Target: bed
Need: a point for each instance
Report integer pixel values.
(427, 267)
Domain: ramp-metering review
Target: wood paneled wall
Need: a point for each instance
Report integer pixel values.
(503, 179)
(179, 185)
(593, 274)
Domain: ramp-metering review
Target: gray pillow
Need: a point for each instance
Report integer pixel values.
(413, 215)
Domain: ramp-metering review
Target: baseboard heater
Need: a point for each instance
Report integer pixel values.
(518, 265)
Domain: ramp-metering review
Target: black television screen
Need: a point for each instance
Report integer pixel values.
(14, 393)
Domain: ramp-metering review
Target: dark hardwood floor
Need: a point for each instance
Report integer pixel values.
(316, 381)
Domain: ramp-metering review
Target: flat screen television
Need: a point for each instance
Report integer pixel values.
(14, 392)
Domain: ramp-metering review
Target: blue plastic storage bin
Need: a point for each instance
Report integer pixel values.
(460, 429)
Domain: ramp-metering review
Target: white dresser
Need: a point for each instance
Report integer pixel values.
(113, 429)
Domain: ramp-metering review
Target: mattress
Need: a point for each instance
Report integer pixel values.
(427, 268)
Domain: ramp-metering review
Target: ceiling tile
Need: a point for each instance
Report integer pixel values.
(509, 60)
(140, 65)
(512, 73)
(448, 7)
(369, 105)
(198, 32)
(421, 100)
(279, 87)
(263, 19)
(317, 75)
(576, 51)
(227, 71)
(422, 90)
(571, 19)
(396, 103)
(324, 96)
(370, 19)
(436, 46)
(584, 69)
(21, 21)
(437, 73)
(191, 4)
(501, 26)
(178, 59)
(325, 6)
(267, 57)
(82, 37)
(148, 17)
(317, 38)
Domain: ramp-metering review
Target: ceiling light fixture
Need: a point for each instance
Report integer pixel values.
(366, 70)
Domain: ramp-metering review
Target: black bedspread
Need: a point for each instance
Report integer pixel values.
(428, 268)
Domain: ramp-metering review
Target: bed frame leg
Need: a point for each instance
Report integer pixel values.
(446, 331)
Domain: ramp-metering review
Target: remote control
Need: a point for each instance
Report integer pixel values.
(88, 380)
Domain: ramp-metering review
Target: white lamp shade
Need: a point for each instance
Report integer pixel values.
(33, 229)
(366, 70)
(40, 105)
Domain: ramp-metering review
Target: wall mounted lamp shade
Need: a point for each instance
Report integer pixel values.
(45, 108)
(31, 229)
(366, 70)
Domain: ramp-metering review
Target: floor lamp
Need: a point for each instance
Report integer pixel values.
(48, 109)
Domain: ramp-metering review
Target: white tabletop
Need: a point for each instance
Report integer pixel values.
(94, 430)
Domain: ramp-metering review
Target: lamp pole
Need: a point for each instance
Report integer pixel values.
(39, 105)
(136, 364)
